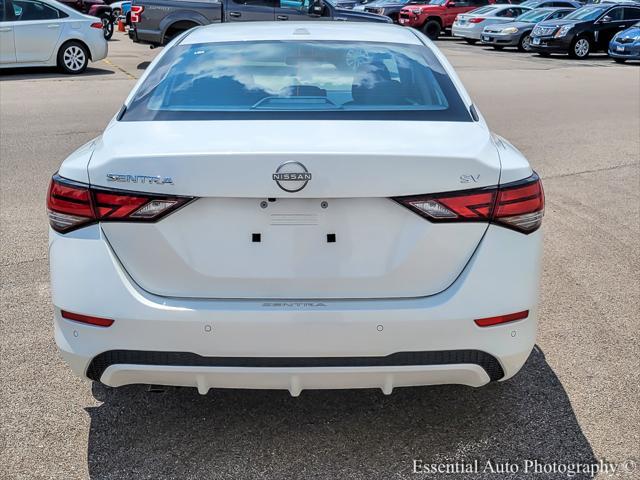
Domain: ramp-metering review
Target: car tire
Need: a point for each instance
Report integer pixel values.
(498, 47)
(580, 48)
(107, 28)
(471, 41)
(73, 58)
(620, 60)
(524, 44)
(432, 29)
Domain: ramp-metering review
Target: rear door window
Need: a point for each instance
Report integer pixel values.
(631, 13)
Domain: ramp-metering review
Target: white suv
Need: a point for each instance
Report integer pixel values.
(300, 206)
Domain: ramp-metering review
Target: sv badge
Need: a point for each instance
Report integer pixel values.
(469, 178)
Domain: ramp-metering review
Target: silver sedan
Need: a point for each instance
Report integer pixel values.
(518, 32)
(470, 25)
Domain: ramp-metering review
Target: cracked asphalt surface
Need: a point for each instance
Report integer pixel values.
(575, 401)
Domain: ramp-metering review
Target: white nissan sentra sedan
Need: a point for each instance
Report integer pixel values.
(304, 206)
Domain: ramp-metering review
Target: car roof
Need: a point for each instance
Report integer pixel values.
(301, 31)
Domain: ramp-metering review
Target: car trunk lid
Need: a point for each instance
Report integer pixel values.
(339, 236)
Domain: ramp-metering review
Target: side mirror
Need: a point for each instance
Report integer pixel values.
(606, 19)
(451, 4)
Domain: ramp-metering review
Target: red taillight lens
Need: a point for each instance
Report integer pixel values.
(518, 205)
(136, 13)
(76, 317)
(96, 25)
(453, 207)
(72, 205)
(68, 205)
(511, 317)
(476, 20)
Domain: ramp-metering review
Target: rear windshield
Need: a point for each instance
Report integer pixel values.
(533, 16)
(481, 10)
(287, 79)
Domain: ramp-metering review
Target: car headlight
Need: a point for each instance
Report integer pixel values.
(563, 31)
(636, 39)
(509, 30)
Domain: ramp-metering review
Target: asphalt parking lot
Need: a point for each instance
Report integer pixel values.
(576, 400)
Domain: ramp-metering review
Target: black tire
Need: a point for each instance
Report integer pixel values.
(620, 60)
(117, 12)
(73, 57)
(580, 48)
(107, 27)
(497, 47)
(524, 44)
(432, 29)
(471, 41)
(176, 29)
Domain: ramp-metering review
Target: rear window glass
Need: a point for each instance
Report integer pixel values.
(482, 10)
(288, 79)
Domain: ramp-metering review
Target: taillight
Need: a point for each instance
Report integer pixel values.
(476, 20)
(136, 13)
(72, 205)
(518, 205)
(97, 25)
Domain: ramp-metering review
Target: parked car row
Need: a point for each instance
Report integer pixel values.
(589, 29)
(517, 33)
(499, 23)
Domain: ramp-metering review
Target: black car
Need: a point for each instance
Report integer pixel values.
(585, 30)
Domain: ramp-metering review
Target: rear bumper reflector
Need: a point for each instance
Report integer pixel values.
(511, 317)
(136, 357)
(97, 321)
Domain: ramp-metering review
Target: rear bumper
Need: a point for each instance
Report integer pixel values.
(148, 37)
(474, 32)
(502, 277)
(466, 367)
(99, 48)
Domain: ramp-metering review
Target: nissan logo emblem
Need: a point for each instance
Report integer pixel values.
(292, 176)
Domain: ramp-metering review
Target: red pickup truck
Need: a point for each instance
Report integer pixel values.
(438, 15)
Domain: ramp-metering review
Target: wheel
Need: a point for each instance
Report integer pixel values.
(432, 29)
(117, 12)
(471, 41)
(580, 48)
(73, 57)
(107, 27)
(524, 45)
(498, 47)
(620, 60)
